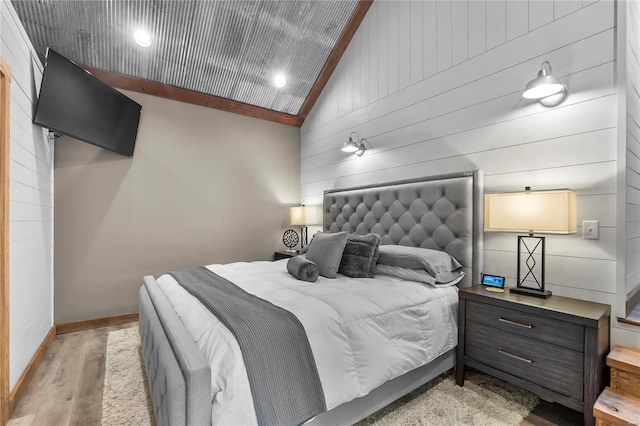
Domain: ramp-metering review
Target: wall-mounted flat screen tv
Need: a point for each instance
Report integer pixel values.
(76, 103)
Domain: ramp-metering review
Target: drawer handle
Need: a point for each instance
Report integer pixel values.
(527, 360)
(519, 324)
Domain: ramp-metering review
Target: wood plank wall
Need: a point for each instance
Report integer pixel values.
(5, 89)
(633, 148)
(30, 201)
(436, 86)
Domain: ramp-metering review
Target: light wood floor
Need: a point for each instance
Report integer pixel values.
(67, 388)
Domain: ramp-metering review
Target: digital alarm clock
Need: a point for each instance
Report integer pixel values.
(493, 283)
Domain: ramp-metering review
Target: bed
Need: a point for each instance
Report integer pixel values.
(438, 212)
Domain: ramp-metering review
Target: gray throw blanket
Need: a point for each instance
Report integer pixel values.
(303, 269)
(282, 372)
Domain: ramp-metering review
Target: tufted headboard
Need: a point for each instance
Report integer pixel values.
(442, 212)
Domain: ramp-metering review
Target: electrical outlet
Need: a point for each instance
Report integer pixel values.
(590, 230)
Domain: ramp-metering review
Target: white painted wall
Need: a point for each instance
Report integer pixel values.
(203, 186)
(436, 86)
(632, 154)
(628, 166)
(31, 201)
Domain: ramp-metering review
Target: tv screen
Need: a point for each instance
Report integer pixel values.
(75, 103)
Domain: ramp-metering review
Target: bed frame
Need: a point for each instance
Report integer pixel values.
(442, 212)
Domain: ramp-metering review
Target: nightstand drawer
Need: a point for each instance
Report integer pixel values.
(556, 368)
(546, 329)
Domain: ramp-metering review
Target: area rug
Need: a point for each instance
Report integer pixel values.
(125, 398)
(483, 400)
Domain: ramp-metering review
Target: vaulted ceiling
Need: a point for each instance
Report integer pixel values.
(222, 54)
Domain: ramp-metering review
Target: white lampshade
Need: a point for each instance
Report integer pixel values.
(350, 146)
(357, 146)
(543, 87)
(305, 215)
(547, 88)
(542, 212)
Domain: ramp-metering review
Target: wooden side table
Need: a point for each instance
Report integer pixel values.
(278, 255)
(554, 347)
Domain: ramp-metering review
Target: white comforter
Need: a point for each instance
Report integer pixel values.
(363, 332)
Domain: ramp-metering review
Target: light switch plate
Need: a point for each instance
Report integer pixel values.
(590, 230)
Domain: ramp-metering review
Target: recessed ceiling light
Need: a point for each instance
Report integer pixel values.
(279, 80)
(142, 37)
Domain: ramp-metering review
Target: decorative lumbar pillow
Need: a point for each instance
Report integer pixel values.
(326, 250)
(303, 269)
(360, 256)
(418, 275)
(439, 264)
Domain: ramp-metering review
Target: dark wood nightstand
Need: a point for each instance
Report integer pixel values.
(284, 254)
(555, 347)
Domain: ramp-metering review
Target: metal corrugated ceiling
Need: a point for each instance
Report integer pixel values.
(230, 49)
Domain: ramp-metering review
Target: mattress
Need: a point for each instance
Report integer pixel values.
(363, 332)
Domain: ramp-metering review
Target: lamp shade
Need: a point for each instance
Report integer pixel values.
(546, 87)
(542, 212)
(356, 146)
(542, 87)
(305, 215)
(350, 146)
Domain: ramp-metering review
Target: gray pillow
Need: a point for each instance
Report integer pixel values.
(326, 250)
(439, 264)
(303, 269)
(419, 275)
(304, 249)
(360, 256)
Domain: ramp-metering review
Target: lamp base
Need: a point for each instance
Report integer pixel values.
(543, 294)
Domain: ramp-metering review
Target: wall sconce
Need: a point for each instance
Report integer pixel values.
(356, 147)
(540, 212)
(546, 87)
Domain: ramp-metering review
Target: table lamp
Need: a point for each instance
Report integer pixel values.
(533, 212)
(304, 216)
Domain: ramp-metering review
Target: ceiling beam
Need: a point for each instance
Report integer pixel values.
(189, 96)
(334, 57)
